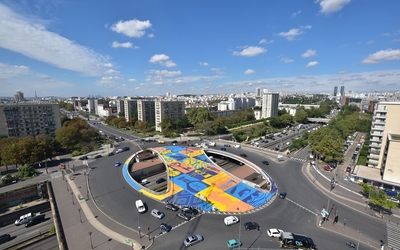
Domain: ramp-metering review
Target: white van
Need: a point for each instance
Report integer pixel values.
(140, 206)
(237, 146)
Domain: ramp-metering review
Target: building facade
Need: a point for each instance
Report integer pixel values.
(341, 91)
(270, 103)
(146, 111)
(384, 146)
(29, 118)
(335, 91)
(130, 107)
(174, 109)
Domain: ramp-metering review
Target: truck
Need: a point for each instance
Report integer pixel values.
(296, 241)
(25, 218)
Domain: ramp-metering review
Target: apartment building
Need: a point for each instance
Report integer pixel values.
(29, 118)
(384, 146)
(146, 111)
(130, 107)
(174, 109)
(270, 103)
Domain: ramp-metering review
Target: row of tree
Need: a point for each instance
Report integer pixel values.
(378, 197)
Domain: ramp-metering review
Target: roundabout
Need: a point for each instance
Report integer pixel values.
(194, 179)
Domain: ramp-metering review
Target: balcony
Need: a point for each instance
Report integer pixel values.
(372, 162)
(375, 139)
(375, 145)
(384, 111)
(377, 128)
(376, 133)
(374, 151)
(373, 157)
(378, 122)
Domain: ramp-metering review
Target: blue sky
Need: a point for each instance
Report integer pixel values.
(130, 48)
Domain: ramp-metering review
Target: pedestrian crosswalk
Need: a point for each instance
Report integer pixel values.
(297, 159)
(393, 235)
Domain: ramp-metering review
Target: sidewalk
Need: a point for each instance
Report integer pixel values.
(80, 217)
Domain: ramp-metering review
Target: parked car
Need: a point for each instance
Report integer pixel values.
(251, 225)
(83, 158)
(265, 162)
(157, 214)
(327, 168)
(172, 207)
(193, 240)
(165, 227)
(394, 200)
(175, 141)
(190, 210)
(274, 233)
(161, 180)
(230, 220)
(97, 156)
(348, 170)
(117, 164)
(243, 155)
(184, 216)
(234, 243)
(111, 153)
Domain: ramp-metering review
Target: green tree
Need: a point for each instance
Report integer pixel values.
(27, 171)
(301, 116)
(199, 115)
(166, 124)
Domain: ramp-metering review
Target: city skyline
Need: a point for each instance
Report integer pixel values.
(135, 48)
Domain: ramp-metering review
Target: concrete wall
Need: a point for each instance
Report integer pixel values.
(22, 195)
(12, 217)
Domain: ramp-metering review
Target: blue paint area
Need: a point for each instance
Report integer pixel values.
(187, 199)
(189, 183)
(240, 191)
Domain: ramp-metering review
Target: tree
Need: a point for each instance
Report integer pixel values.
(27, 171)
(301, 116)
(166, 124)
(199, 115)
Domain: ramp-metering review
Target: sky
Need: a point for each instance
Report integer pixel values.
(153, 47)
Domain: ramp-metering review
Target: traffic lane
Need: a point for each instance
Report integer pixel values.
(306, 194)
(21, 233)
(48, 243)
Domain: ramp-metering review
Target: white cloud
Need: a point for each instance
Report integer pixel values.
(217, 71)
(163, 72)
(163, 60)
(265, 41)
(108, 65)
(131, 28)
(312, 64)
(204, 64)
(250, 51)
(30, 38)
(382, 55)
(116, 44)
(293, 33)
(150, 35)
(309, 53)
(395, 40)
(132, 80)
(370, 42)
(110, 71)
(287, 60)
(296, 13)
(249, 72)
(328, 6)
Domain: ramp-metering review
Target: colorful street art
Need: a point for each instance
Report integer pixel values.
(196, 181)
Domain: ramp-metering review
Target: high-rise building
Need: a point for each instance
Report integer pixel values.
(19, 97)
(146, 111)
(29, 118)
(341, 91)
(270, 103)
(130, 109)
(335, 91)
(175, 110)
(258, 92)
(384, 146)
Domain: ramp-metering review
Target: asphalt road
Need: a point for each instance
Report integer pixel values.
(21, 233)
(298, 213)
(50, 243)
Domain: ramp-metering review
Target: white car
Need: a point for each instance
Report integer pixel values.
(119, 151)
(230, 220)
(237, 146)
(157, 213)
(394, 200)
(274, 233)
(140, 206)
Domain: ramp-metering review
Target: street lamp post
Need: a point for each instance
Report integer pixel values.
(240, 225)
(72, 197)
(140, 235)
(90, 236)
(358, 242)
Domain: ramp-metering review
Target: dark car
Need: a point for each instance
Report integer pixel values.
(172, 207)
(97, 156)
(35, 220)
(165, 227)
(174, 141)
(161, 180)
(227, 145)
(189, 210)
(125, 149)
(265, 162)
(117, 164)
(282, 195)
(243, 155)
(251, 225)
(223, 149)
(83, 158)
(184, 216)
(111, 153)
